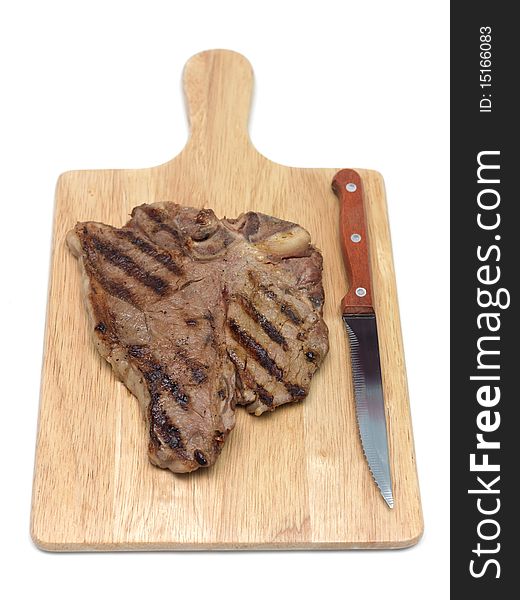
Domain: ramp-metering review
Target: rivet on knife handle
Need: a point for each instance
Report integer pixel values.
(360, 321)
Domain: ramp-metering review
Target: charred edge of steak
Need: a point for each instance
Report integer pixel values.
(311, 356)
(200, 458)
(163, 258)
(119, 259)
(218, 441)
(296, 391)
(256, 350)
(317, 301)
(153, 213)
(262, 320)
(252, 225)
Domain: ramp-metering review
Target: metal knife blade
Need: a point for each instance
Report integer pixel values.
(368, 391)
(360, 321)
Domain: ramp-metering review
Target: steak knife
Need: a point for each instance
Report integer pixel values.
(360, 321)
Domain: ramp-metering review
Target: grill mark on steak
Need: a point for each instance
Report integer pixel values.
(264, 395)
(157, 378)
(247, 378)
(138, 351)
(262, 320)
(285, 307)
(161, 424)
(117, 290)
(256, 350)
(116, 257)
(162, 258)
(199, 371)
(288, 310)
(261, 393)
(296, 391)
(156, 375)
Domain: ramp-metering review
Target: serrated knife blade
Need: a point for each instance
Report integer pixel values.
(368, 392)
(361, 325)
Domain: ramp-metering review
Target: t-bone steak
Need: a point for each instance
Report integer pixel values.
(197, 314)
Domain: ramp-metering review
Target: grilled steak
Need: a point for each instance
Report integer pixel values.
(197, 314)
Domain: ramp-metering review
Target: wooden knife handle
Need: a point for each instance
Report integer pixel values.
(354, 242)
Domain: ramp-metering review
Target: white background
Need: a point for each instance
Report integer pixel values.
(349, 84)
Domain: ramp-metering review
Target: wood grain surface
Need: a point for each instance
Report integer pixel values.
(295, 478)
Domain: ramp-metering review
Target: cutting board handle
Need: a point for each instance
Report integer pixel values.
(218, 86)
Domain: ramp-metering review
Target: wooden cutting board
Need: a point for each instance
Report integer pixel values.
(295, 478)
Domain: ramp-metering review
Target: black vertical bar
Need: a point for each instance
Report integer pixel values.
(485, 256)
